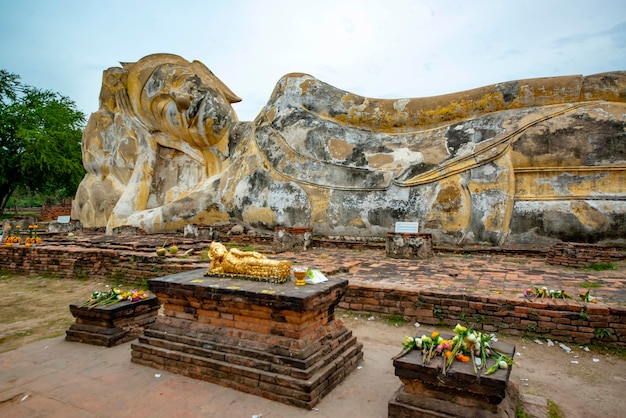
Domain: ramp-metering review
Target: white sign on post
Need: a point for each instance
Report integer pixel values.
(407, 227)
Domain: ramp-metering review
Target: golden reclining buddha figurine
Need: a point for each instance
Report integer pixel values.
(246, 263)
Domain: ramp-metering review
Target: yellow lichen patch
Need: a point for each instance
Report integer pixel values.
(209, 217)
(255, 215)
(542, 183)
(589, 216)
(357, 222)
(462, 109)
(341, 118)
(319, 199)
(305, 86)
(452, 205)
(143, 189)
(609, 182)
(379, 160)
(339, 149)
(496, 219)
(271, 115)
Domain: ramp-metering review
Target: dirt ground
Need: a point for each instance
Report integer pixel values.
(581, 383)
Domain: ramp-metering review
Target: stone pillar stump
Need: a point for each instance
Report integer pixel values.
(408, 246)
(292, 239)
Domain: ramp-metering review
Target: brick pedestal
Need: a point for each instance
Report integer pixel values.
(292, 239)
(409, 246)
(426, 392)
(278, 341)
(112, 324)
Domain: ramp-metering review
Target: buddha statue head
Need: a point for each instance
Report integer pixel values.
(181, 100)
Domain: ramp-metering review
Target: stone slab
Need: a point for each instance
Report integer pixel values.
(280, 296)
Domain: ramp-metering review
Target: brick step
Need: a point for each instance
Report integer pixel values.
(108, 339)
(304, 393)
(237, 354)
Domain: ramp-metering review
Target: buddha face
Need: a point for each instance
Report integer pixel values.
(179, 102)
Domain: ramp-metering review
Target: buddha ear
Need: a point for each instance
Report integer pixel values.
(219, 84)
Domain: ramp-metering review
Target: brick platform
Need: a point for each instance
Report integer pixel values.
(426, 392)
(575, 254)
(278, 341)
(112, 324)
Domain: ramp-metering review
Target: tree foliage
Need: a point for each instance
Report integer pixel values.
(40, 134)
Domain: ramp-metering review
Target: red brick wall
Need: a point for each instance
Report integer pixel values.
(52, 213)
(557, 319)
(573, 254)
(93, 263)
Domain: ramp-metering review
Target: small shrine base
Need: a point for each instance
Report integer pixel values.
(427, 392)
(278, 341)
(409, 246)
(292, 239)
(112, 324)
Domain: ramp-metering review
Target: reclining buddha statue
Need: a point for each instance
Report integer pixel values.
(520, 162)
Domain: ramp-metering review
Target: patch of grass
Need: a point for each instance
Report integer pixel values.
(119, 277)
(583, 314)
(396, 320)
(81, 274)
(520, 413)
(438, 313)
(590, 285)
(612, 351)
(601, 266)
(48, 276)
(602, 333)
(553, 410)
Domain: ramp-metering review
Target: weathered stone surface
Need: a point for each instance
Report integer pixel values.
(292, 239)
(525, 161)
(409, 246)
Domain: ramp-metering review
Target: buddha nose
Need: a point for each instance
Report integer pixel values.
(183, 102)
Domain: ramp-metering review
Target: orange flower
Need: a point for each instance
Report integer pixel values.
(462, 358)
(435, 334)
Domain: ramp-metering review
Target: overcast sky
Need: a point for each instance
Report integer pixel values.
(383, 49)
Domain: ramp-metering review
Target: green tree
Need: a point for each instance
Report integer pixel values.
(40, 134)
